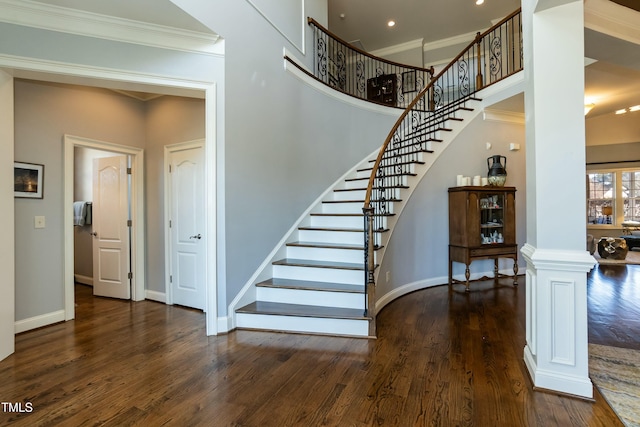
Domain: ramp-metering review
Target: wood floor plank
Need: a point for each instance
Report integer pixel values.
(442, 358)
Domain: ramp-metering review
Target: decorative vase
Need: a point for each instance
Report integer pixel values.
(497, 174)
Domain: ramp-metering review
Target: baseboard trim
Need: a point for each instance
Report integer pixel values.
(39, 321)
(155, 296)
(85, 280)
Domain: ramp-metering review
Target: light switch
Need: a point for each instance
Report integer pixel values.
(39, 222)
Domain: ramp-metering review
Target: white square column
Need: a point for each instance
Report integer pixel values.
(556, 351)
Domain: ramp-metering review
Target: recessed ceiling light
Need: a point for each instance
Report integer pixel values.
(479, 2)
(391, 23)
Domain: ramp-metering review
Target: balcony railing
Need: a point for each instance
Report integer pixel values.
(362, 75)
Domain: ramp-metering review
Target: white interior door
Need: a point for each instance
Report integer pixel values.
(110, 228)
(187, 245)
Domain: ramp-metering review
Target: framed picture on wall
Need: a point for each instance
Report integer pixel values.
(409, 82)
(28, 180)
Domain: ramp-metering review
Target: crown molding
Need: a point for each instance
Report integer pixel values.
(451, 41)
(398, 48)
(503, 116)
(612, 19)
(73, 21)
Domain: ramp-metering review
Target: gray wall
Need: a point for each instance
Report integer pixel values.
(285, 143)
(417, 253)
(44, 112)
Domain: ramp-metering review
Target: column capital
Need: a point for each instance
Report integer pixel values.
(558, 259)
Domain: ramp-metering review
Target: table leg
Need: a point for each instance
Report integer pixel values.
(467, 274)
(495, 270)
(515, 272)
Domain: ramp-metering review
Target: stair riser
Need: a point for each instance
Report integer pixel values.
(349, 195)
(307, 297)
(348, 207)
(361, 194)
(342, 237)
(338, 221)
(329, 275)
(326, 326)
(399, 180)
(409, 168)
(325, 254)
(342, 207)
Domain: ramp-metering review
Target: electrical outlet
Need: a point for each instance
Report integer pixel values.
(39, 222)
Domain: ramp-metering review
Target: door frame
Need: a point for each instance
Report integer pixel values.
(104, 77)
(138, 240)
(168, 150)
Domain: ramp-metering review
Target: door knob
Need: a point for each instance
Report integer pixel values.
(94, 234)
(197, 236)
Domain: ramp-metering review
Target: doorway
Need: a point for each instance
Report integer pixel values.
(137, 214)
(101, 221)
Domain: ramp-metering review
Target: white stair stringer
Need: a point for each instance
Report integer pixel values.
(313, 282)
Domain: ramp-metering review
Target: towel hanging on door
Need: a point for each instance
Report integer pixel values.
(82, 212)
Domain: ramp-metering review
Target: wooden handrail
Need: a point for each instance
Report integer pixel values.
(312, 21)
(405, 113)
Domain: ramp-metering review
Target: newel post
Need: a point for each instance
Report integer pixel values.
(479, 79)
(369, 268)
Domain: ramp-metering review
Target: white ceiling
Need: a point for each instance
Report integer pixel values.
(430, 20)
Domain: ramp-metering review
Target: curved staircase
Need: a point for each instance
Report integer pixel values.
(319, 286)
(325, 284)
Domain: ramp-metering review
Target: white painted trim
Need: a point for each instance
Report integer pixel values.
(138, 240)
(559, 259)
(155, 296)
(336, 94)
(85, 280)
(418, 285)
(224, 324)
(503, 116)
(612, 19)
(7, 217)
(398, 48)
(168, 150)
(107, 77)
(78, 22)
(211, 210)
(451, 41)
(303, 19)
(39, 321)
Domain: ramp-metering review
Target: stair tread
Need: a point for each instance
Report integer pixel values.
(347, 214)
(327, 245)
(282, 309)
(311, 285)
(324, 245)
(359, 201)
(320, 264)
(339, 229)
(366, 178)
(375, 188)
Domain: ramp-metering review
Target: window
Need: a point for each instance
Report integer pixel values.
(601, 193)
(631, 195)
(613, 196)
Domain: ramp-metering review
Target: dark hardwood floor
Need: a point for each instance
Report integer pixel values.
(441, 359)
